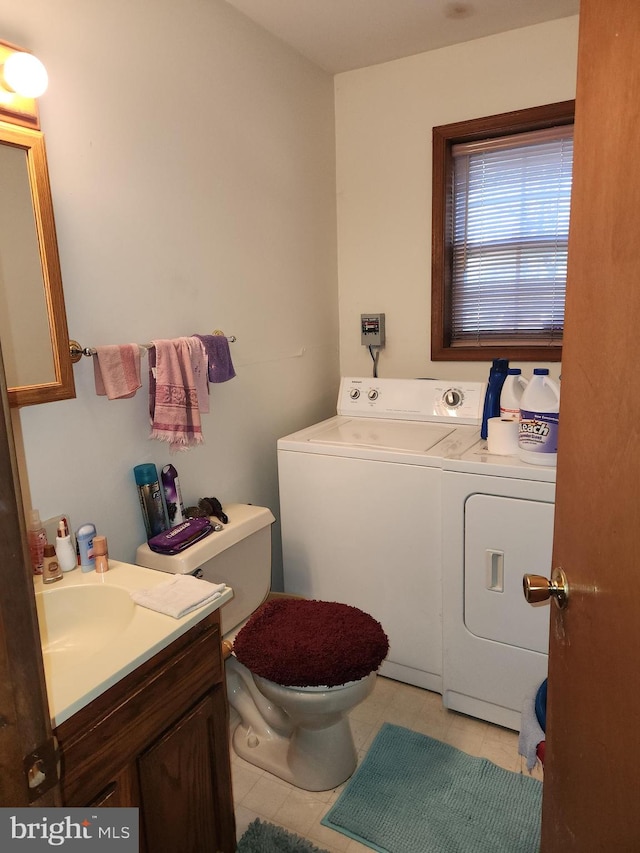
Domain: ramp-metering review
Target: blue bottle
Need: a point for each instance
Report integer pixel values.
(150, 495)
(497, 375)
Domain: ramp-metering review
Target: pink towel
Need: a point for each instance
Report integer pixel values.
(116, 371)
(199, 365)
(173, 398)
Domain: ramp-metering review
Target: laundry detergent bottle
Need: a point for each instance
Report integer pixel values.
(539, 416)
(497, 375)
(511, 394)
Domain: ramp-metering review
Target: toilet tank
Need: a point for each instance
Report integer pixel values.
(238, 555)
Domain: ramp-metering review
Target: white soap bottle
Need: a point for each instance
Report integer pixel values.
(511, 395)
(65, 552)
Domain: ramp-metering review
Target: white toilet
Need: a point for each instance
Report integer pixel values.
(296, 729)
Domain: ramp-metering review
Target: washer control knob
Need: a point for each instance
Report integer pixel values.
(453, 398)
(354, 393)
(373, 394)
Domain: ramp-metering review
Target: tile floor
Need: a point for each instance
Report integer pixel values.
(259, 794)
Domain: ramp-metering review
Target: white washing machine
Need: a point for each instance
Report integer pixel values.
(497, 525)
(361, 508)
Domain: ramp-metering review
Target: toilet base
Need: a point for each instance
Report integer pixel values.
(301, 759)
(315, 752)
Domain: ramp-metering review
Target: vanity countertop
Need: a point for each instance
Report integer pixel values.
(96, 635)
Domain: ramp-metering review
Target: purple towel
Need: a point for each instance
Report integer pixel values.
(219, 356)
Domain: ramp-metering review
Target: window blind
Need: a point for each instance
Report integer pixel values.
(509, 231)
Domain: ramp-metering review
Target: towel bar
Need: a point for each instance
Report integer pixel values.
(76, 351)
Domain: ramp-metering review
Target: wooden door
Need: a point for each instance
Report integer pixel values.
(590, 800)
(25, 727)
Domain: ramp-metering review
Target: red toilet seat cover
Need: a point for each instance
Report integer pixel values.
(304, 643)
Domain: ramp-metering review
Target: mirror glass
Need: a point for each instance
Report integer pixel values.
(33, 326)
(24, 326)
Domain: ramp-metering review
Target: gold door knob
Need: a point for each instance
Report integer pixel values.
(537, 588)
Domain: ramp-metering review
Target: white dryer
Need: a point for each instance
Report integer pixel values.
(497, 526)
(361, 508)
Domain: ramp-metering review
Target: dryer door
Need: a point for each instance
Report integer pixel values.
(506, 537)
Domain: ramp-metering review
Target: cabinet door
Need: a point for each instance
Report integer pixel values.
(123, 791)
(181, 782)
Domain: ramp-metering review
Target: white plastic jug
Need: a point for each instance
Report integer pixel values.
(511, 395)
(539, 417)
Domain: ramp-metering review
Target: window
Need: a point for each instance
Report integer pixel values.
(501, 199)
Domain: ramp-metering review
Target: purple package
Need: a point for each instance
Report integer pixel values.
(175, 541)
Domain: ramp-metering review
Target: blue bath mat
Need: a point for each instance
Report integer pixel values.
(262, 837)
(414, 794)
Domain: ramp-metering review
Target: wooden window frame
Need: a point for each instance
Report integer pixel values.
(444, 138)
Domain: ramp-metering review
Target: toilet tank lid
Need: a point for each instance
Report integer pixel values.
(244, 519)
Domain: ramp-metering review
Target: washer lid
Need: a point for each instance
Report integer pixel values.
(388, 435)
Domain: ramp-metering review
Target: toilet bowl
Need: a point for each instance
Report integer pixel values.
(311, 746)
(312, 662)
(297, 668)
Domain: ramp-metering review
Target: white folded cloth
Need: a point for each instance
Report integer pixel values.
(179, 596)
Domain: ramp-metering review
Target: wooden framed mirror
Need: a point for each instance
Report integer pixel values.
(33, 323)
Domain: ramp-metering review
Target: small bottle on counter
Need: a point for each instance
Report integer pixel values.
(51, 570)
(37, 539)
(84, 541)
(65, 551)
(101, 553)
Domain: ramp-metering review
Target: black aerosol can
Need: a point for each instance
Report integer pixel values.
(150, 495)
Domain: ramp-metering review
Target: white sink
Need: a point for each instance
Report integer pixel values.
(79, 621)
(93, 634)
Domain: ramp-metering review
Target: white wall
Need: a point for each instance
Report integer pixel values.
(191, 158)
(384, 120)
(192, 166)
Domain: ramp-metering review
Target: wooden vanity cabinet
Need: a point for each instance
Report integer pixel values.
(158, 740)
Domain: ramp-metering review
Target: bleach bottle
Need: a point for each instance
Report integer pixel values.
(539, 415)
(511, 394)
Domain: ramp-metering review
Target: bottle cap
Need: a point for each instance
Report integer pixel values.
(100, 546)
(34, 519)
(145, 474)
(540, 371)
(49, 550)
